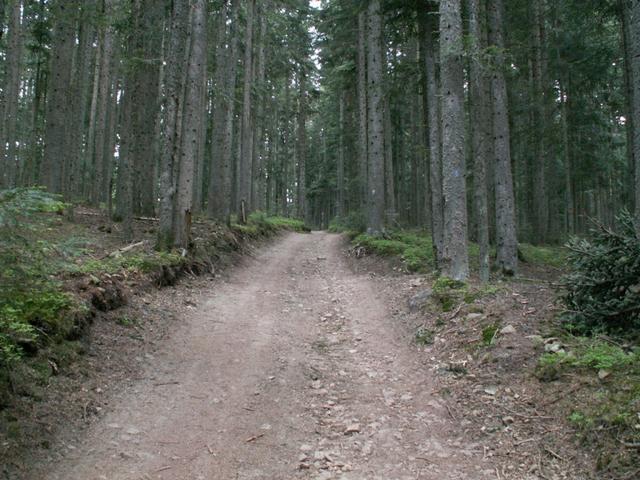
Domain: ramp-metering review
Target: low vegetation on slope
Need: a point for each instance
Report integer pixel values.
(54, 275)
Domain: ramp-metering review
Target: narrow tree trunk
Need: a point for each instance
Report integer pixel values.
(375, 71)
(627, 43)
(302, 147)
(390, 191)
(340, 166)
(194, 108)
(9, 173)
(171, 131)
(57, 113)
(220, 190)
(481, 131)
(506, 241)
(246, 157)
(435, 138)
(145, 65)
(540, 204)
(635, 35)
(101, 164)
(362, 109)
(257, 167)
(455, 258)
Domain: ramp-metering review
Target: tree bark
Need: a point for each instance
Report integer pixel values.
(635, 36)
(540, 208)
(246, 157)
(10, 98)
(375, 71)
(57, 110)
(340, 207)
(435, 139)
(506, 239)
(224, 112)
(257, 184)
(173, 97)
(302, 146)
(455, 258)
(362, 110)
(194, 108)
(481, 131)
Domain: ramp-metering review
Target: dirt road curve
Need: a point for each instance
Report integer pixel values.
(291, 369)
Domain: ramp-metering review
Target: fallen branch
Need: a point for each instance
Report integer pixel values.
(254, 438)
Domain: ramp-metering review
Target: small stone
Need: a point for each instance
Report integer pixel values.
(353, 428)
(306, 448)
(474, 316)
(602, 374)
(508, 330)
(491, 390)
(508, 420)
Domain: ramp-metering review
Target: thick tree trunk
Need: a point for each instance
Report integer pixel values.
(435, 138)
(506, 239)
(9, 167)
(59, 81)
(173, 93)
(362, 110)
(246, 158)
(375, 70)
(455, 258)
(481, 131)
(194, 109)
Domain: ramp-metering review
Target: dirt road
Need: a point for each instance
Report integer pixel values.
(292, 368)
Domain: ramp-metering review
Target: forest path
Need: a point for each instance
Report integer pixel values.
(289, 369)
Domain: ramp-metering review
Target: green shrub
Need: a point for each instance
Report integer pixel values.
(603, 287)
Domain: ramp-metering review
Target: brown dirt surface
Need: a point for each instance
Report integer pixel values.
(292, 367)
(302, 362)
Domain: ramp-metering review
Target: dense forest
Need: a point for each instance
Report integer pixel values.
(479, 119)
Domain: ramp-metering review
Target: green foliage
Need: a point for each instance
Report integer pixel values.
(414, 248)
(603, 288)
(489, 334)
(544, 255)
(425, 336)
(259, 224)
(354, 223)
(32, 307)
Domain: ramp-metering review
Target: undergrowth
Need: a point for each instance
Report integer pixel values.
(415, 249)
(605, 411)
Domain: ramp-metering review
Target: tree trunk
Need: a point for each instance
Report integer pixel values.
(302, 147)
(340, 210)
(362, 110)
(375, 70)
(506, 239)
(224, 111)
(635, 35)
(102, 175)
(257, 183)
(455, 258)
(540, 208)
(145, 65)
(171, 132)
(194, 108)
(246, 157)
(435, 138)
(481, 131)
(57, 112)
(10, 97)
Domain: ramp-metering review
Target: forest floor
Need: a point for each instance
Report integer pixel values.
(302, 362)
